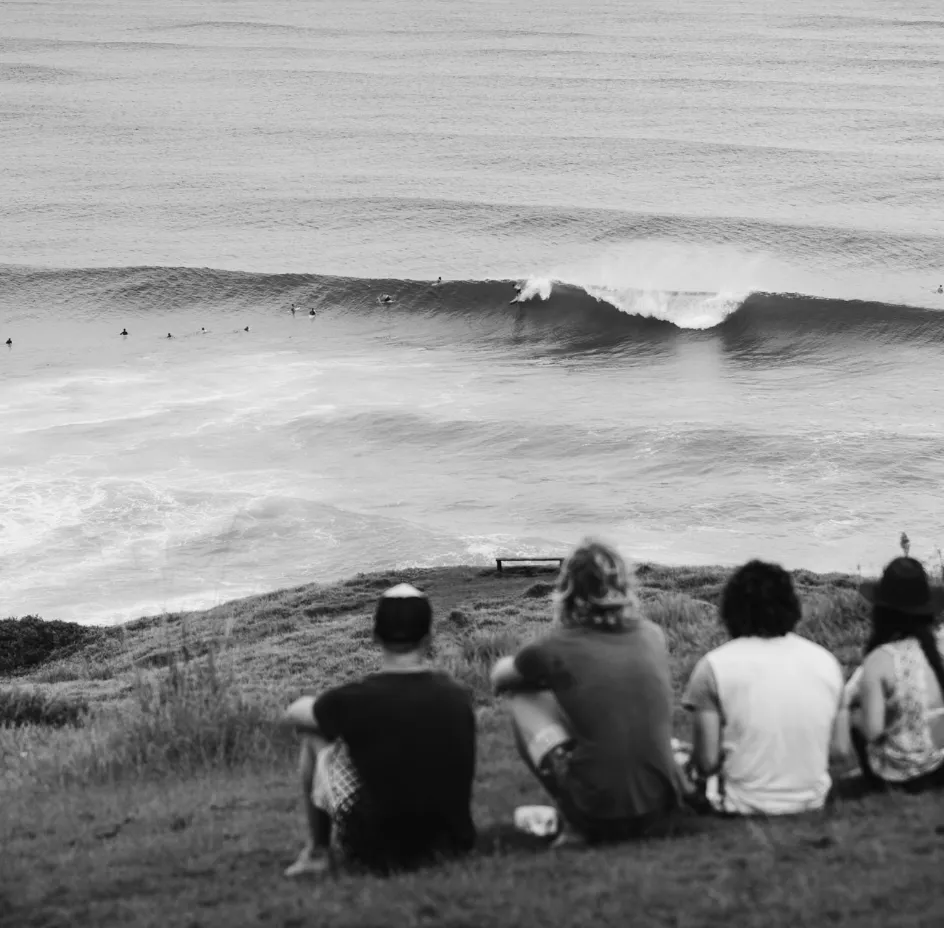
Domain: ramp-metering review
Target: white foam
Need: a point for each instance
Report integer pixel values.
(535, 287)
(686, 310)
(693, 287)
(683, 309)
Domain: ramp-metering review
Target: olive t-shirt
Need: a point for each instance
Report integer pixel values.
(411, 738)
(615, 688)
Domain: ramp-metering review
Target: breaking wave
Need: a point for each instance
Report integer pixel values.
(542, 307)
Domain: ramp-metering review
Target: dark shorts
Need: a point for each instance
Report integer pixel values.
(554, 772)
(362, 840)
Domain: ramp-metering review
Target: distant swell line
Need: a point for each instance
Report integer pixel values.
(548, 309)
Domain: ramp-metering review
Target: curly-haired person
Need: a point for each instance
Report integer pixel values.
(591, 705)
(765, 705)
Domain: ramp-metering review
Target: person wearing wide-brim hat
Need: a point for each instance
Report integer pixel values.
(896, 698)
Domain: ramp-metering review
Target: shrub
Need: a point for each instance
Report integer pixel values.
(30, 641)
(539, 590)
(484, 648)
(66, 672)
(78, 668)
(458, 619)
(470, 660)
(189, 719)
(690, 625)
(683, 618)
(21, 706)
(839, 621)
(100, 670)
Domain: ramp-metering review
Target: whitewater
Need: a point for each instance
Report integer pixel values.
(669, 276)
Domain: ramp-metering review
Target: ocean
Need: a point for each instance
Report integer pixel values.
(726, 221)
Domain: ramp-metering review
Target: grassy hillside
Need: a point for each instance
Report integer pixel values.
(169, 797)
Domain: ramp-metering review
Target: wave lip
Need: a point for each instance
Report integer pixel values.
(685, 310)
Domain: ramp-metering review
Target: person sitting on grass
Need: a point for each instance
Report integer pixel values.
(387, 762)
(896, 697)
(591, 705)
(765, 705)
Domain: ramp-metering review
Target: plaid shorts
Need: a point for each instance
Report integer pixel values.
(338, 790)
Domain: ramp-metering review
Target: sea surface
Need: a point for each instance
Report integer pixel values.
(726, 220)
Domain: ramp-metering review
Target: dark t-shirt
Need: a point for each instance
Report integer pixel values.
(615, 688)
(411, 737)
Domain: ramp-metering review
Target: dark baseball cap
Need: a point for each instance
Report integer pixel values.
(403, 615)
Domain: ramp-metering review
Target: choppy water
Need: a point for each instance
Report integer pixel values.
(728, 219)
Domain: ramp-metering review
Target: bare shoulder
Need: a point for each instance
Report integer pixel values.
(650, 628)
(878, 666)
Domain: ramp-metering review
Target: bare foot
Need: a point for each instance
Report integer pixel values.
(568, 838)
(310, 862)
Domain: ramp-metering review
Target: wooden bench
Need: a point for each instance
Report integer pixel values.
(526, 560)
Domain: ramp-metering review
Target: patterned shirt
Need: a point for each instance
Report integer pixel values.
(906, 749)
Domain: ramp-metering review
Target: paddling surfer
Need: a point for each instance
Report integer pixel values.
(124, 331)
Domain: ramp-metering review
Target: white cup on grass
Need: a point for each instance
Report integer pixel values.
(537, 820)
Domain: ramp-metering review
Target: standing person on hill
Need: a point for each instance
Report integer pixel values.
(387, 761)
(896, 698)
(591, 705)
(765, 705)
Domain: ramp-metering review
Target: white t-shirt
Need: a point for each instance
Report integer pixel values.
(778, 699)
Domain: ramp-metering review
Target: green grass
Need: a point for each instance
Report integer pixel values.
(176, 801)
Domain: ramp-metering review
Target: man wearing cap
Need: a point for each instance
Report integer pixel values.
(387, 762)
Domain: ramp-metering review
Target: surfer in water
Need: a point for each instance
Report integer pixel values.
(940, 288)
(246, 329)
(9, 342)
(312, 313)
(386, 298)
(124, 331)
(293, 309)
(169, 335)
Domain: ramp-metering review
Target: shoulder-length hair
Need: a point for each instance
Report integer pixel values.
(595, 589)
